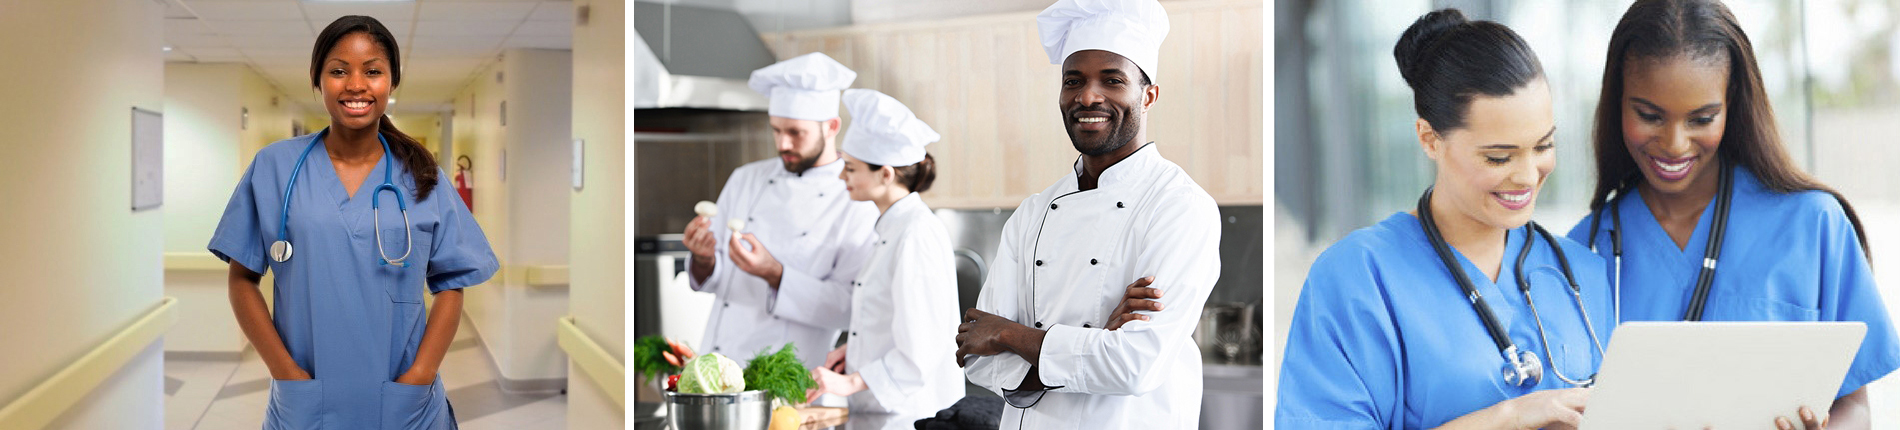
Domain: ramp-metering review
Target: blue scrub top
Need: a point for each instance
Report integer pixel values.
(1383, 337)
(1787, 257)
(351, 322)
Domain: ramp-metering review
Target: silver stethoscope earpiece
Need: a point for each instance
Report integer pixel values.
(281, 250)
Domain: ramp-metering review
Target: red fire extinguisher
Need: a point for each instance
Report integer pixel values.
(464, 184)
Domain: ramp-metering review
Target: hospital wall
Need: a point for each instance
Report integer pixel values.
(427, 129)
(80, 265)
(597, 250)
(217, 116)
(513, 122)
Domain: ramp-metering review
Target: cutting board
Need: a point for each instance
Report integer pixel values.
(818, 417)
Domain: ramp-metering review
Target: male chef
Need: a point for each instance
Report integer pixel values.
(1068, 255)
(785, 275)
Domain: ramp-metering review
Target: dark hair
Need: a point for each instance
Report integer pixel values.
(418, 159)
(1703, 30)
(916, 177)
(1447, 60)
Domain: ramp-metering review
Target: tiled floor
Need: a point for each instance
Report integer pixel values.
(231, 395)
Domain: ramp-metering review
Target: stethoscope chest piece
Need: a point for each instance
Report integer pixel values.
(1524, 370)
(280, 251)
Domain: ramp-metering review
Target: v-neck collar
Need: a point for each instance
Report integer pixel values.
(349, 208)
(1513, 240)
(370, 181)
(1650, 230)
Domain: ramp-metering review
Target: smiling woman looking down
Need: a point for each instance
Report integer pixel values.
(1406, 324)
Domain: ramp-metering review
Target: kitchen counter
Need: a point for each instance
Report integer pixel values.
(867, 422)
(644, 421)
(1231, 392)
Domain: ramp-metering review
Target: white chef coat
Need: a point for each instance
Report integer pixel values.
(1066, 259)
(904, 317)
(809, 223)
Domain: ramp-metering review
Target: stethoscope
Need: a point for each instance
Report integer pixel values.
(281, 250)
(1705, 278)
(1521, 368)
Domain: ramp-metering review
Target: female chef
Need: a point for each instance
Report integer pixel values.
(1699, 210)
(352, 223)
(899, 358)
(1407, 323)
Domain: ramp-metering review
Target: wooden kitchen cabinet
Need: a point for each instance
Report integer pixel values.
(986, 85)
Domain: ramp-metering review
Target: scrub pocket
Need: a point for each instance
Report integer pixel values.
(1730, 308)
(406, 407)
(294, 405)
(406, 284)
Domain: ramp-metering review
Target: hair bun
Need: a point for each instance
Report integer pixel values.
(1420, 36)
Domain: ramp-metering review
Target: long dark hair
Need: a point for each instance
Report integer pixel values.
(916, 177)
(1447, 60)
(1700, 29)
(415, 157)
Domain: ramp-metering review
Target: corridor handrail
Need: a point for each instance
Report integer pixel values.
(52, 397)
(599, 366)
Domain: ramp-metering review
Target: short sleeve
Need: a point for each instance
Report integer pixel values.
(239, 237)
(1848, 293)
(460, 255)
(1342, 352)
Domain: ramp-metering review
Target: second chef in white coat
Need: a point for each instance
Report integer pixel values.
(904, 304)
(786, 276)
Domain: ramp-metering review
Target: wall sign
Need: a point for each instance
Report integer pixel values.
(148, 159)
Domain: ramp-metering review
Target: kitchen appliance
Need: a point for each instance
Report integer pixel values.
(665, 302)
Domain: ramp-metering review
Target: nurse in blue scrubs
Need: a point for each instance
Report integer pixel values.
(352, 223)
(1699, 210)
(1431, 318)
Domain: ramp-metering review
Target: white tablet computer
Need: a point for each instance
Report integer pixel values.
(1724, 375)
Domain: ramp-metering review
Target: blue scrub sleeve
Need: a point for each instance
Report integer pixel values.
(239, 237)
(1848, 293)
(460, 255)
(1342, 363)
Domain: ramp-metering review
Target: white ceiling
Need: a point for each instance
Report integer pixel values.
(443, 42)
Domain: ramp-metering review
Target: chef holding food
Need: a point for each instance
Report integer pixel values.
(783, 243)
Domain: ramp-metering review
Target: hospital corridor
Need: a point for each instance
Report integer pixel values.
(209, 262)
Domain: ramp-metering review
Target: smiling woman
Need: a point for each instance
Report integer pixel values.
(1684, 132)
(347, 296)
(360, 44)
(1380, 337)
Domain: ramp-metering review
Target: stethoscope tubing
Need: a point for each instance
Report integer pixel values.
(388, 184)
(1705, 277)
(1521, 367)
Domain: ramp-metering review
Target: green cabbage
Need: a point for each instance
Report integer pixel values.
(711, 373)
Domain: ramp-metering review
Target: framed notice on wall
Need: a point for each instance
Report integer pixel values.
(148, 159)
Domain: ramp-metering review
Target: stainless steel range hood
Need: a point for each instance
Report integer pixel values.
(695, 57)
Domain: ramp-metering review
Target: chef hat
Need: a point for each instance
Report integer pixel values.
(804, 87)
(883, 131)
(1130, 28)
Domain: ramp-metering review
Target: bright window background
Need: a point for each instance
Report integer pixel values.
(1345, 156)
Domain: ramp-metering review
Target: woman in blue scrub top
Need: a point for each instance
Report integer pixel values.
(1682, 108)
(1383, 335)
(348, 347)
